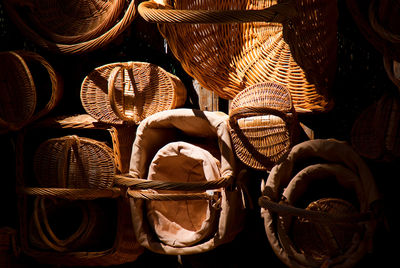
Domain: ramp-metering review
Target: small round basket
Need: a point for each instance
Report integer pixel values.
(262, 124)
(129, 92)
(74, 162)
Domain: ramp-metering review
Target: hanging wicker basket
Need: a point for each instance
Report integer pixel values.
(181, 183)
(20, 89)
(71, 27)
(262, 123)
(318, 206)
(228, 46)
(130, 91)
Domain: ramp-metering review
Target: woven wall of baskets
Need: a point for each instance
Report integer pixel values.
(21, 87)
(71, 27)
(130, 91)
(181, 183)
(318, 206)
(230, 45)
(263, 125)
(73, 183)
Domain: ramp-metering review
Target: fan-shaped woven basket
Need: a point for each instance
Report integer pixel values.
(230, 45)
(71, 27)
(74, 162)
(262, 122)
(379, 22)
(130, 91)
(317, 205)
(183, 200)
(19, 92)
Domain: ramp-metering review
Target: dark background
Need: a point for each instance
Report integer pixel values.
(360, 81)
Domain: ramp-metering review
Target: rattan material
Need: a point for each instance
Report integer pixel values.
(71, 27)
(379, 22)
(18, 104)
(262, 124)
(74, 162)
(292, 43)
(337, 227)
(130, 91)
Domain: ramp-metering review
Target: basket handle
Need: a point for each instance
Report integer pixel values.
(242, 112)
(55, 78)
(111, 91)
(71, 194)
(157, 13)
(77, 48)
(382, 31)
(316, 216)
(388, 64)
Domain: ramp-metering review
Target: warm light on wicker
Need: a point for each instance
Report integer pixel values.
(20, 89)
(130, 91)
(262, 124)
(292, 43)
(71, 27)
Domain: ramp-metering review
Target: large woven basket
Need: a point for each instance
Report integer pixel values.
(80, 186)
(130, 91)
(379, 22)
(318, 206)
(71, 27)
(20, 88)
(262, 123)
(182, 183)
(230, 45)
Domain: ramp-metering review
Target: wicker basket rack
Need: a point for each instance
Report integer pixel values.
(228, 46)
(71, 27)
(20, 89)
(263, 123)
(130, 91)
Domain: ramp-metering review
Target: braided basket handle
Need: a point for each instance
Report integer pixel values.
(242, 112)
(157, 13)
(315, 216)
(111, 90)
(55, 78)
(71, 194)
(378, 28)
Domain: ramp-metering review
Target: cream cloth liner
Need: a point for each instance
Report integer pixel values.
(182, 223)
(165, 127)
(348, 168)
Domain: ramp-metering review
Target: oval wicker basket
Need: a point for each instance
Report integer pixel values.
(71, 27)
(230, 45)
(130, 91)
(19, 92)
(74, 162)
(262, 123)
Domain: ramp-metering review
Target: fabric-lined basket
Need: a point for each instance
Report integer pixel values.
(130, 91)
(71, 27)
(262, 123)
(182, 183)
(289, 42)
(20, 89)
(318, 205)
(74, 184)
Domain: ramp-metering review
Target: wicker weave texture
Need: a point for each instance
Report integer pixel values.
(74, 162)
(299, 52)
(261, 124)
(71, 27)
(130, 91)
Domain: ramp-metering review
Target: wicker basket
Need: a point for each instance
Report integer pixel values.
(271, 42)
(262, 125)
(71, 27)
(19, 91)
(181, 182)
(102, 234)
(130, 91)
(318, 206)
(378, 21)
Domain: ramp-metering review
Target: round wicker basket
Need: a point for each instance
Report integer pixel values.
(130, 91)
(262, 124)
(230, 45)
